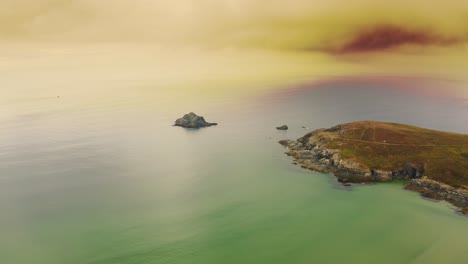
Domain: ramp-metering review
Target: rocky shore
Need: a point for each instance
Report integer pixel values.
(440, 191)
(322, 151)
(312, 155)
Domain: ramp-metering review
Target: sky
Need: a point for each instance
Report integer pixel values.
(188, 40)
(339, 26)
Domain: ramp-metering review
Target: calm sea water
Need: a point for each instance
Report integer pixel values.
(104, 178)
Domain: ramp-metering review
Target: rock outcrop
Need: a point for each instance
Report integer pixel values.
(192, 120)
(311, 154)
(327, 151)
(440, 191)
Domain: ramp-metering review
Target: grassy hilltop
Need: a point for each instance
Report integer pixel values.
(388, 146)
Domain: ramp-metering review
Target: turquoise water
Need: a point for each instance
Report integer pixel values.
(109, 180)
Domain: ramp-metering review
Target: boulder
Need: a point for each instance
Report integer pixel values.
(192, 120)
(286, 142)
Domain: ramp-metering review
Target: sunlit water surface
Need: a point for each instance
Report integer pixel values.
(101, 176)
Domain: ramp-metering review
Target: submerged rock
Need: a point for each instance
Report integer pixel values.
(192, 120)
(283, 127)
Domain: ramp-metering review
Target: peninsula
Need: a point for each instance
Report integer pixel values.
(434, 162)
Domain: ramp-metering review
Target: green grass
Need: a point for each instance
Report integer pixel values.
(390, 146)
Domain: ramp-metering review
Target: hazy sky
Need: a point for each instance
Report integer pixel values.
(332, 25)
(44, 43)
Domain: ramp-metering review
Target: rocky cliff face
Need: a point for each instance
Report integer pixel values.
(192, 120)
(314, 151)
(440, 191)
(311, 152)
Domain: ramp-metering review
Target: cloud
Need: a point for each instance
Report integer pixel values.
(385, 37)
(338, 26)
(36, 19)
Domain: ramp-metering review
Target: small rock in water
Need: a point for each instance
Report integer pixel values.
(285, 142)
(283, 127)
(192, 120)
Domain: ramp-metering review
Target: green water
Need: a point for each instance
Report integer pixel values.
(108, 180)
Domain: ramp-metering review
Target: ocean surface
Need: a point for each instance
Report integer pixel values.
(102, 177)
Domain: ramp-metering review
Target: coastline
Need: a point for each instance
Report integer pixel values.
(314, 152)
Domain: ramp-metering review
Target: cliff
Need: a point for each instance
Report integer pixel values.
(434, 162)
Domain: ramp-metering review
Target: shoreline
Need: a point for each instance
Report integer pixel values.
(313, 152)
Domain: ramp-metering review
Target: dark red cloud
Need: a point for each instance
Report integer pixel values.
(385, 37)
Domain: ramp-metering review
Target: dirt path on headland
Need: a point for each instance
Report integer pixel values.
(398, 144)
(410, 145)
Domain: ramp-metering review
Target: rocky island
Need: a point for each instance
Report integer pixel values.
(435, 163)
(191, 120)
